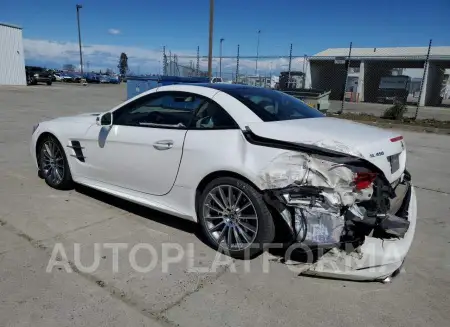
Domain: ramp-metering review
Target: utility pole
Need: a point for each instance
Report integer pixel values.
(79, 39)
(220, 59)
(257, 53)
(211, 29)
(198, 61)
(290, 63)
(237, 65)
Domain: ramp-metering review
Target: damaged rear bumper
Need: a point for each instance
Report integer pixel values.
(358, 212)
(376, 259)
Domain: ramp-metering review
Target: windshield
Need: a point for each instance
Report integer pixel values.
(272, 105)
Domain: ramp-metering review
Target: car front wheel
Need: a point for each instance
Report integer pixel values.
(235, 218)
(53, 164)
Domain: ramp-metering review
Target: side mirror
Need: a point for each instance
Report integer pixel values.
(105, 120)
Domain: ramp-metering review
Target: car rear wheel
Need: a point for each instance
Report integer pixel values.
(235, 218)
(53, 164)
(49, 83)
(31, 80)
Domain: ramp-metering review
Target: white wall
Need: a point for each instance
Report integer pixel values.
(12, 58)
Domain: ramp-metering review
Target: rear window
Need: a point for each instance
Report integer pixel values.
(270, 105)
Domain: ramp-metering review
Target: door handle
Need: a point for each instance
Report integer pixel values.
(163, 145)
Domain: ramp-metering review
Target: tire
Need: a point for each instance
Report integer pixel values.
(49, 83)
(254, 231)
(51, 154)
(30, 80)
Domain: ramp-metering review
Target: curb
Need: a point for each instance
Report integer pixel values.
(411, 128)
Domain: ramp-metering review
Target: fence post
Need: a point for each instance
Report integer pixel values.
(237, 65)
(425, 68)
(346, 77)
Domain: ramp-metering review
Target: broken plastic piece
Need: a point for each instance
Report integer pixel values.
(394, 226)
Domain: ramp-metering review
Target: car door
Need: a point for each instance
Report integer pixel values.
(142, 149)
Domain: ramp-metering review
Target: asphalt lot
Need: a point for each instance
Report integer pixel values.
(33, 218)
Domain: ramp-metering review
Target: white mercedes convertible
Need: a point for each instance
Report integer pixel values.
(245, 162)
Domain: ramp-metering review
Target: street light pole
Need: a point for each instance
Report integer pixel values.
(257, 54)
(220, 59)
(79, 39)
(211, 29)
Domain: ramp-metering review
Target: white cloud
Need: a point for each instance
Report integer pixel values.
(98, 55)
(102, 56)
(113, 31)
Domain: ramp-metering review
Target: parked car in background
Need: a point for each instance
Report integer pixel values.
(394, 89)
(35, 75)
(76, 77)
(57, 77)
(216, 80)
(63, 77)
(114, 79)
(104, 79)
(92, 78)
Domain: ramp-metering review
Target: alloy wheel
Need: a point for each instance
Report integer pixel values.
(230, 217)
(52, 162)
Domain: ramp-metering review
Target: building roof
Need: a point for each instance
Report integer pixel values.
(10, 25)
(418, 53)
(225, 86)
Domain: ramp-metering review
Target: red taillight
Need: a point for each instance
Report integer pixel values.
(398, 138)
(364, 180)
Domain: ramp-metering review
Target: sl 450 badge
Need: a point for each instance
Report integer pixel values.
(373, 155)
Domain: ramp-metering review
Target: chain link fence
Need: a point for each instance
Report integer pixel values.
(363, 80)
(372, 80)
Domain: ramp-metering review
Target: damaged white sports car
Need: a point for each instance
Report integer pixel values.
(243, 161)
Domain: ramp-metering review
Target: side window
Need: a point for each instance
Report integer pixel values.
(212, 116)
(264, 102)
(168, 109)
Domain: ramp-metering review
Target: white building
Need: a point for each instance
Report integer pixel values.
(12, 57)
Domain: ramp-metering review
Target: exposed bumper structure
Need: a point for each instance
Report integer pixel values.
(376, 259)
(364, 227)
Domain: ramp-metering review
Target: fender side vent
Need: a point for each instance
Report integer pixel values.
(78, 149)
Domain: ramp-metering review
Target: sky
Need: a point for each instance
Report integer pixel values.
(141, 28)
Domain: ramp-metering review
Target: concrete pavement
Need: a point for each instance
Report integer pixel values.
(34, 218)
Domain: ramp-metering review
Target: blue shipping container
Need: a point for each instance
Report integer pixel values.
(139, 84)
